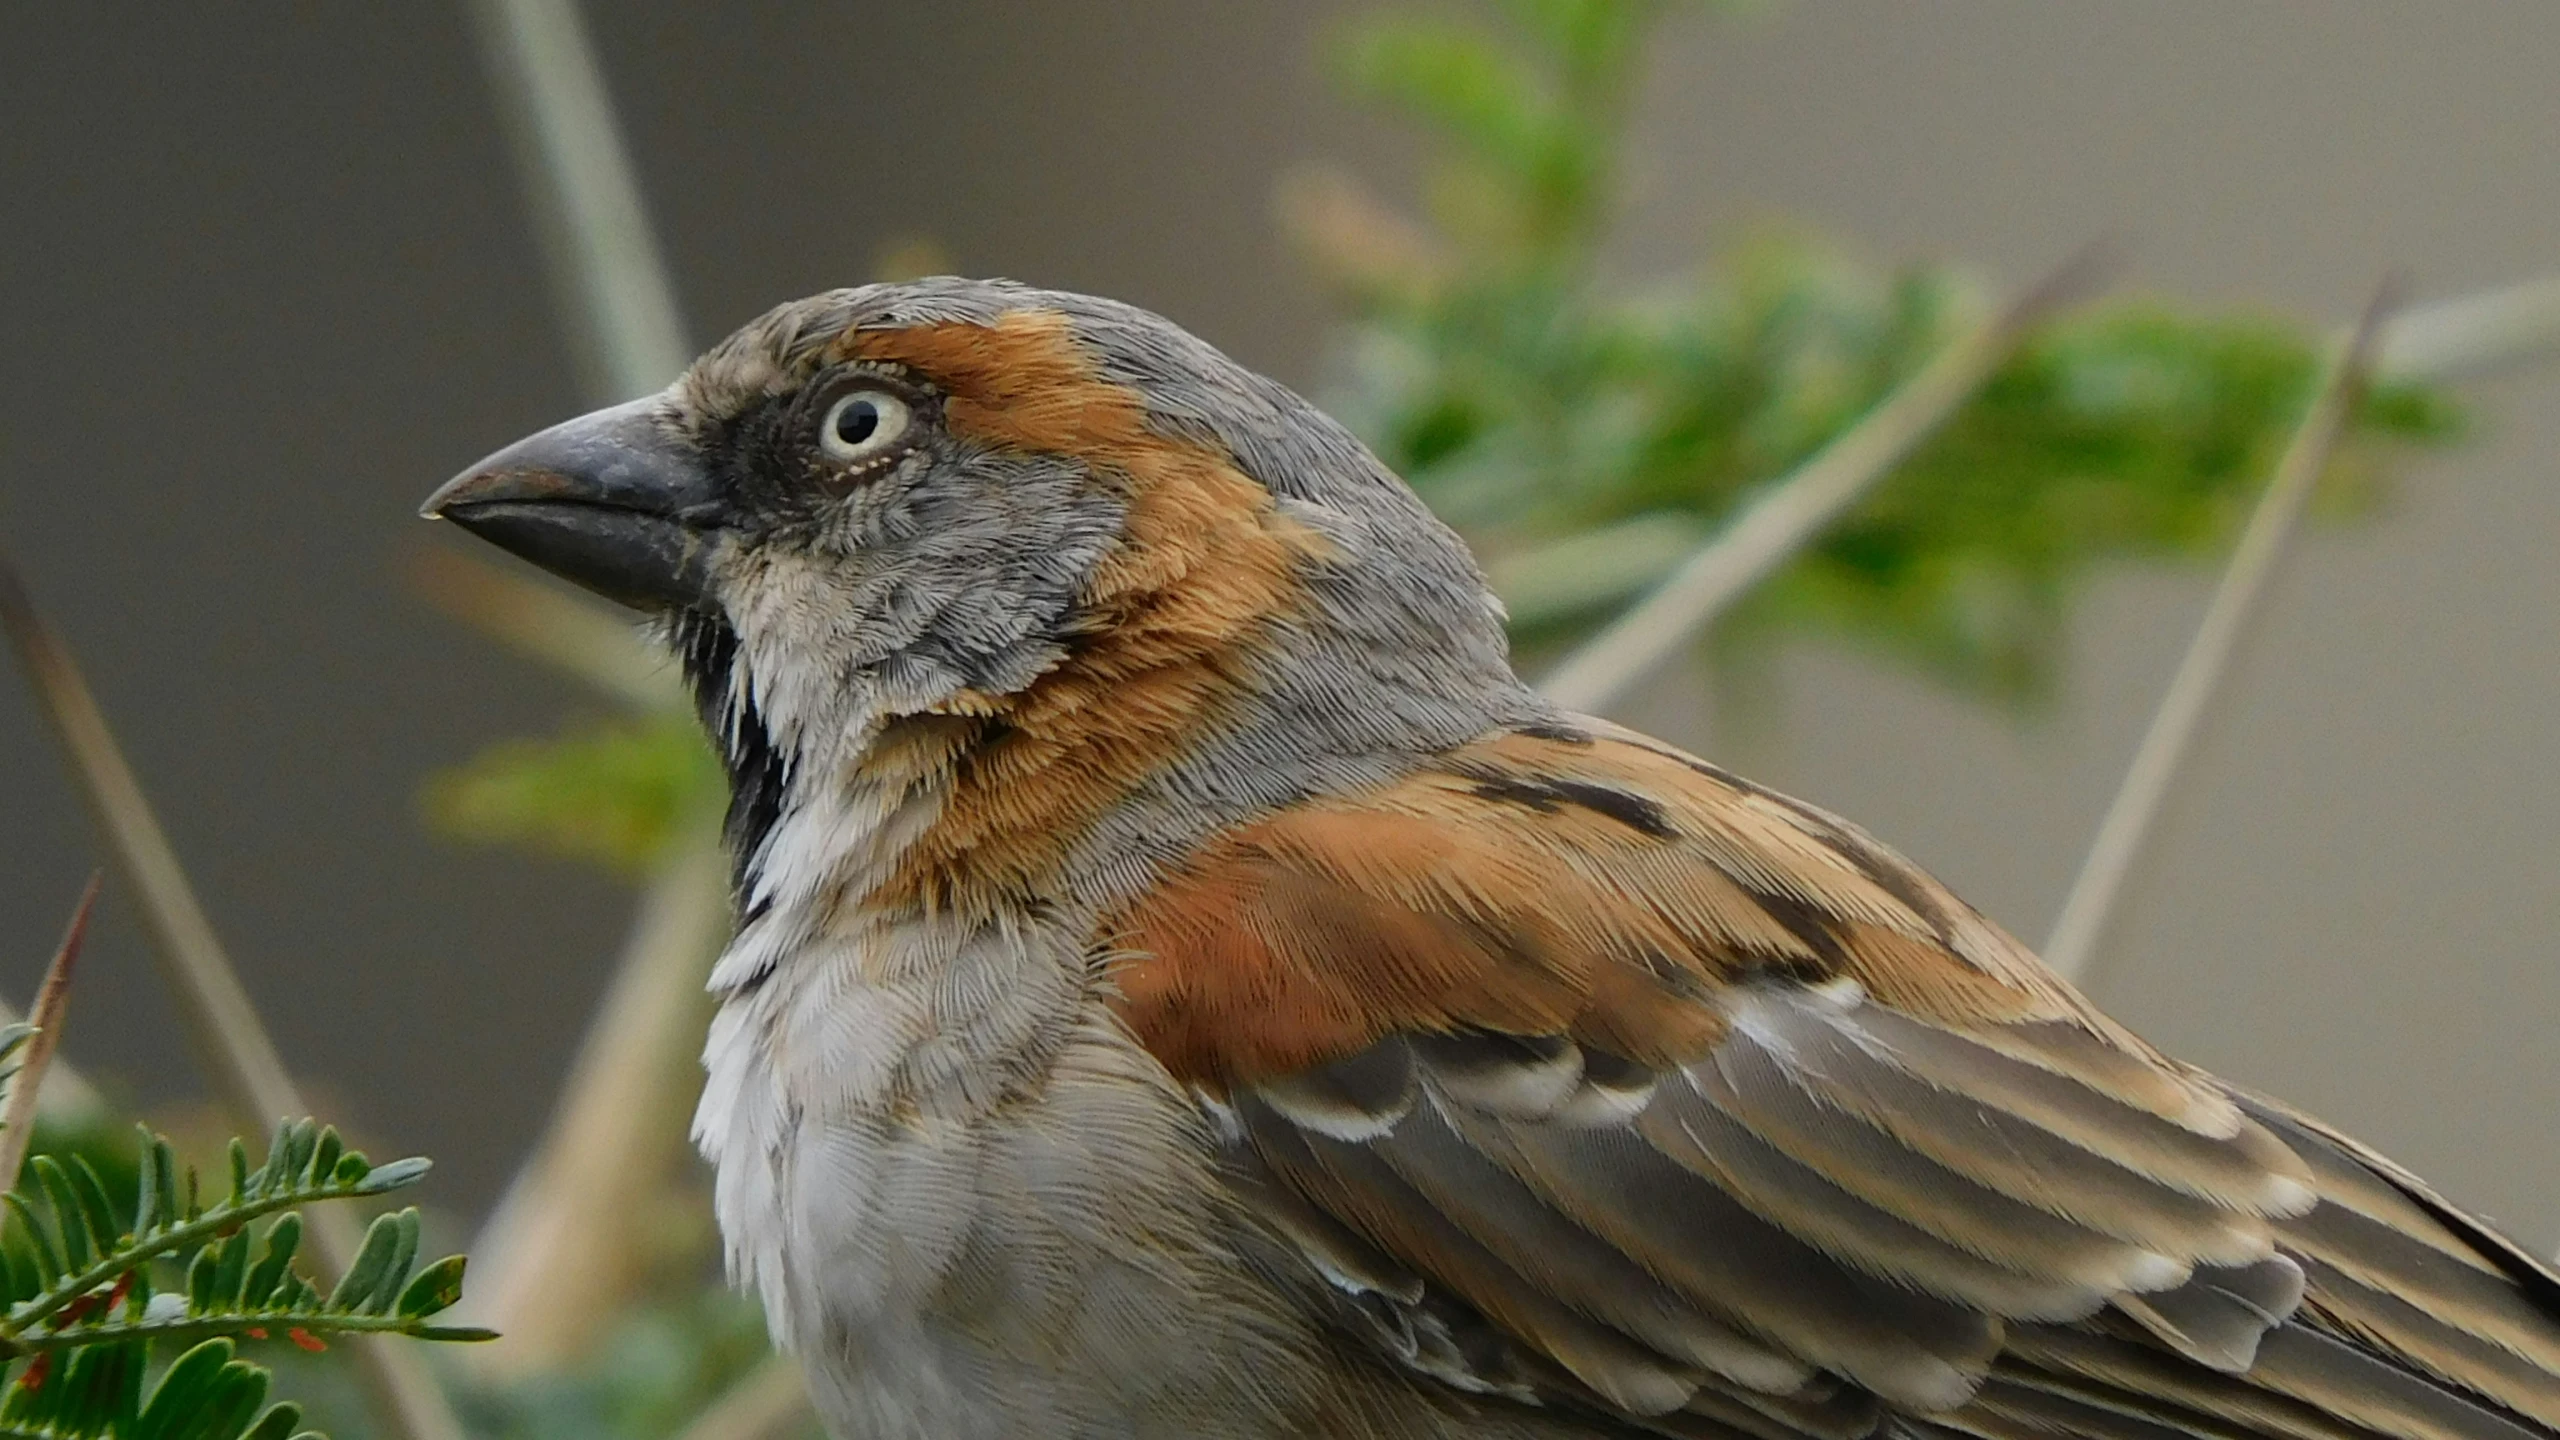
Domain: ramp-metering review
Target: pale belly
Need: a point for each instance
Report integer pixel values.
(1040, 1245)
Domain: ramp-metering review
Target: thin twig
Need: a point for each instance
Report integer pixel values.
(1791, 513)
(231, 1042)
(770, 1402)
(53, 1002)
(2471, 335)
(2073, 946)
(579, 636)
(610, 279)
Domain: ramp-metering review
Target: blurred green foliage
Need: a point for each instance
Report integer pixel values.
(611, 793)
(1586, 440)
(663, 1365)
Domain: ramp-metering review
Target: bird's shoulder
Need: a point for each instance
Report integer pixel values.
(1576, 877)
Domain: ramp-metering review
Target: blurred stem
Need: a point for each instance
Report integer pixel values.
(771, 1402)
(568, 1244)
(572, 633)
(231, 1042)
(1793, 512)
(607, 272)
(2073, 947)
(2471, 335)
(53, 1002)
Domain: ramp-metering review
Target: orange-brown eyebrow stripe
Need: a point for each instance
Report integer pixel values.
(1206, 559)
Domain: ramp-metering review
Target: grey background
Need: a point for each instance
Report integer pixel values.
(266, 279)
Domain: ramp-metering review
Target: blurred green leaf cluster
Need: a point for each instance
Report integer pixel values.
(612, 793)
(1585, 440)
(667, 1361)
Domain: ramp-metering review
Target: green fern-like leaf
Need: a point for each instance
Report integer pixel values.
(80, 1313)
(13, 1043)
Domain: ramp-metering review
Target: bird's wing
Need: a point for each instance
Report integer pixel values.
(1597, 1076)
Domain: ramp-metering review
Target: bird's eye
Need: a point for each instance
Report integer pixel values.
(863, 426)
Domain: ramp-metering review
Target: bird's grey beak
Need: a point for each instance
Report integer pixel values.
(612, 501)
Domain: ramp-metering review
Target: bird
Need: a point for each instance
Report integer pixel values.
(1186, 984)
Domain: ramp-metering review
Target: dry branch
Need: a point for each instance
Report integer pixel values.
(2085, 911)
(53, 1002)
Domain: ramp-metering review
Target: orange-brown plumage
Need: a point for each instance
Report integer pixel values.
(1592, 885)
(1207, 561)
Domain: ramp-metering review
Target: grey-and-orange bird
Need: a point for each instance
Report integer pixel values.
(1187, 986)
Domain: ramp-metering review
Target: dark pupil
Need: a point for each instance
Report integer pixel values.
(855, 422)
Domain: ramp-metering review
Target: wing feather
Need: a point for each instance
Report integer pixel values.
(1711, 1143)
(1915, 1349)
(1618, 1083)
(1357, 1183)
(1787, 1072)
(2106, 1370)
(1574, 1264)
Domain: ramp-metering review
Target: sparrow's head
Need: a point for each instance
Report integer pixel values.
(942, 497)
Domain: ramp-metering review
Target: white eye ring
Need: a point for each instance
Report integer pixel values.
(863, 426)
